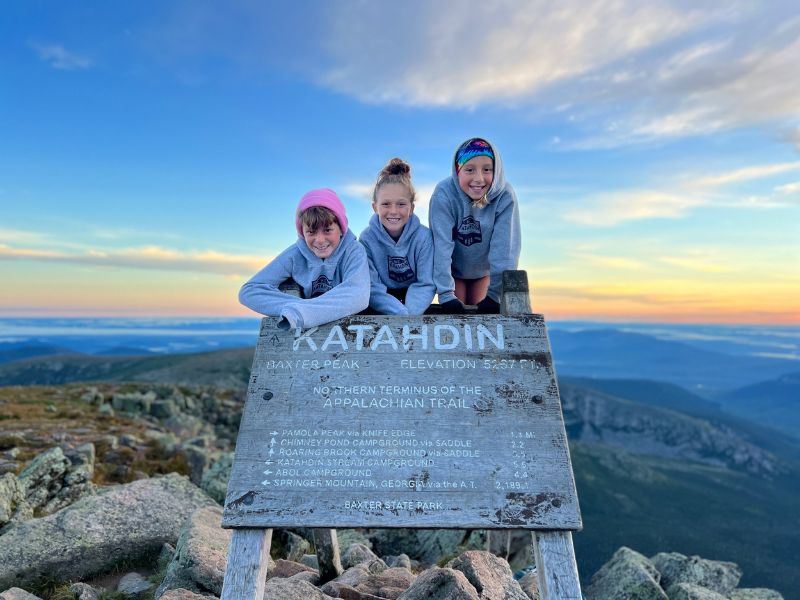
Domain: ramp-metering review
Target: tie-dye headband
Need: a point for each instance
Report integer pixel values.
(470, 149)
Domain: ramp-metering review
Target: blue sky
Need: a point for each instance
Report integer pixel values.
(152, 155)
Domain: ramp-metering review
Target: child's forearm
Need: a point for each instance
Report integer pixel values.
(351, 296)
(419, 297)
(384, 303)
(504, 247)
(264, 299)
(441, 227)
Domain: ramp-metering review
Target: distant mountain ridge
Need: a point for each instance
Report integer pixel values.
(655, 393)
(613, 354)
(595, 417)
(222, 368)
(775, 403)
(10, 352)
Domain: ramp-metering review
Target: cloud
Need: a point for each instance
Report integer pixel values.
(434, 55)
(359, 191)
(793, 135)
(631, 71)
(677, 198)
(20, 235)
(616, 71)
(629, 205)
(611, 262)
(789, 188)
(745, 174)
(60, 58)
(744, 75)
(695, 263)
(147, 257)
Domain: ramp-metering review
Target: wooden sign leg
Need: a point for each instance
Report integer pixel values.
(246, 571)
(499, 542)
(553, 551)
(327, 544)
(557, 571)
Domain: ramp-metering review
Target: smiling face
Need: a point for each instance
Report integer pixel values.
(476, 176)
(394, 207)
(324, 240)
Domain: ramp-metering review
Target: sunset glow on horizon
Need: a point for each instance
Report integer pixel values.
(151, 160)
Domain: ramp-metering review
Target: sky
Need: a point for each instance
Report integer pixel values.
(152, 153)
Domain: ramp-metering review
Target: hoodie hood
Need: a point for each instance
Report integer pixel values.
(498, 181)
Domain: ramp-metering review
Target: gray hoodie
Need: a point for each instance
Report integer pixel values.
(334, 288)
(473, 242)
(406, 263)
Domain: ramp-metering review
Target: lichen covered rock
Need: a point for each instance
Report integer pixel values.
(125, 523)
(627, 575)
(718, 576)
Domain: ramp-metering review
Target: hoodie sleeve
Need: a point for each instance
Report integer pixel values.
(441, 223)
(420, 293)
(379, 299)
(504, 246)
(261, 293)
(349, 297)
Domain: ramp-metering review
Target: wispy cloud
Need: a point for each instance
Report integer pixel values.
(21, 235)
(743, 77)
(633, 72)
(437, 59)
(617, 71)
(677, 198)
(696, 263)
(59, 57)
(147, 257)
(789, 188)
(629, 205)
(611, 262)
(744, 174)
(358, 191)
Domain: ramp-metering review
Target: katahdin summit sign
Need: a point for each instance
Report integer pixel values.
(433, 421)
(429, 421)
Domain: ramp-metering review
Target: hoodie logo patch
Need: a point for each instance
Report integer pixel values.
(468, 231)
(320, 285)
(399, 269)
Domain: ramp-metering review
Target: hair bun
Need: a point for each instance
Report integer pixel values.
(396, 171)
(396, 166)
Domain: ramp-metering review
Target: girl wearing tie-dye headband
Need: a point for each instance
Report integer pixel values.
(476, 231)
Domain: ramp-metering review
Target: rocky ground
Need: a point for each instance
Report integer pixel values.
(115, 491)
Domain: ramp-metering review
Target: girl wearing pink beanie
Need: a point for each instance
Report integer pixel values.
(327, 262)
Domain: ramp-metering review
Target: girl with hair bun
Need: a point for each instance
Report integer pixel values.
(399, 247)
(476, 232)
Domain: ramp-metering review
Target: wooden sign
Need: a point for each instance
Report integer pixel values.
(429, 421)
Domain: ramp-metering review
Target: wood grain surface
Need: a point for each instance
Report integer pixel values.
(430, 421)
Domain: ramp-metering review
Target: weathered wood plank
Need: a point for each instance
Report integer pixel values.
(557, 571)
(246, 569)
(499, 542)
(431, 421)
(515, 299)
(327, 546)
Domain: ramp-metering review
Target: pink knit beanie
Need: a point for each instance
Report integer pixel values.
(323, 197)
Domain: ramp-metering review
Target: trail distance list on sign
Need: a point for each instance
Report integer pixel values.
(431, 421)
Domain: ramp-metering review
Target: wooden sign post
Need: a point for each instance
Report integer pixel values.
(450, 421)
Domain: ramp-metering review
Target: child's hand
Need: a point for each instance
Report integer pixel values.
(487, 306)
(453, 307)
